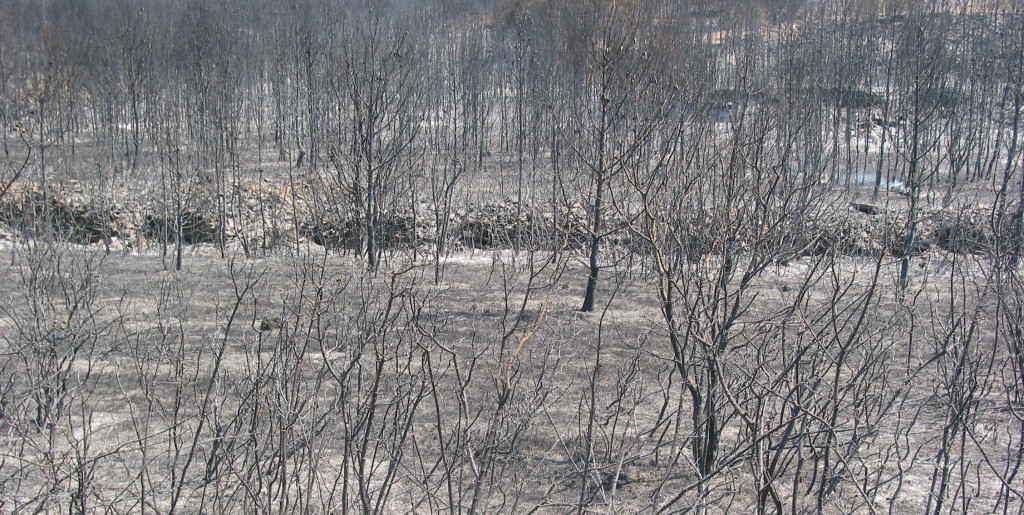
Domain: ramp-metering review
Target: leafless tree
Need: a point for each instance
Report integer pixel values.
(383, 105)
(617, 112)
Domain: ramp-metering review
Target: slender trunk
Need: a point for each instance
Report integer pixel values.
(595, 230)
(1011, 156)
(42, 164)
(914, 187)
(595, 249)
(371, 247)
(177, 232)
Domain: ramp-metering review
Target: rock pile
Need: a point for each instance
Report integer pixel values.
(479, 226)
(196, 227)
(964, 231)
(69, 212)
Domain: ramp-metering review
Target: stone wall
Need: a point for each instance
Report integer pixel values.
(263, 215)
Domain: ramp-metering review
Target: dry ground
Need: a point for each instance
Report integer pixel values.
(128, 386)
